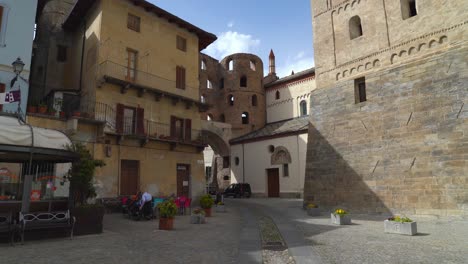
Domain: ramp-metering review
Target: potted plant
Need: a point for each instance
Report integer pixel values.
(206, 202)
(76, 113)
(167, 211)
(32, 109)
(313, 210)
(220, 208)
(89, 217)
(400, 225)
(197, 216)
(42, 108)
(340, 217)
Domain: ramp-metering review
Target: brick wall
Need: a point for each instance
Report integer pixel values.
(405, 150)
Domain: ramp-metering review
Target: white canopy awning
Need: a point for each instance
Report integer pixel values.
(17, 137)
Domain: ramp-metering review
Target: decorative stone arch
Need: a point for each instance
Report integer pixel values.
(280, 156)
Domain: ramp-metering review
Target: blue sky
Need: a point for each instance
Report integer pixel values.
(253, 26)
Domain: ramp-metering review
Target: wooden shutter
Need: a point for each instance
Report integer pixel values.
(180, 77)
(140, 121)
(173, 126)
(2, 90)
(188, 130)
(119, 122)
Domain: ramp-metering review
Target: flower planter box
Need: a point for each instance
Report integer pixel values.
(88, 219)
(166, 223)
(313, 211)
(197, 219)
(407, 228)
(220, 209)
(42, 109)
(340, 219)
(207, 212)
(32, 109)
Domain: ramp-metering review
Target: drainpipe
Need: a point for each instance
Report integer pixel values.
(298, 164)
(82, 56)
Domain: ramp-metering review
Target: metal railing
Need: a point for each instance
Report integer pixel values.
(124, 73)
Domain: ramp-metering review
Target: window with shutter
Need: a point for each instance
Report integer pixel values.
(132, 56)
(188, 130)
(140, 121)
(119, 118)
(181, 43)
(133, 22)
(180, 77)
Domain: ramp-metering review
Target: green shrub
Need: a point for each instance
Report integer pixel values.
(167, 209)
(206, 201)
(401, 219)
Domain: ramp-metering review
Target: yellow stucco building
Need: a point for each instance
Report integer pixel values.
(130, 91)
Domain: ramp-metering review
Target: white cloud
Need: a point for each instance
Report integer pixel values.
(232, 42)
(230, 24)
(299, 63)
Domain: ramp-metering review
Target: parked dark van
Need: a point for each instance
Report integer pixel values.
(238, 190)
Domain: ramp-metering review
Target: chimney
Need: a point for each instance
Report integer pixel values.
(272, 63)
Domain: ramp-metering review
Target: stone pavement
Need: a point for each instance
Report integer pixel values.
(126, 241)
(438, 241)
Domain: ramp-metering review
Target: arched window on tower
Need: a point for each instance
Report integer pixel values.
(203, 64)
(303, 106)
(243, 81)
(245, 118)
(355, 27)
(230, 65)
(254, 100)
(408, 8)
(203, 98)
(253, 66)
(209, 85)
(209, 117)
(221, 83)
(277, 95)
(231, 100)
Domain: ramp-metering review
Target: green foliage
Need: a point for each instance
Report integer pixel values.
(206, 201)
(220, 203)
(311, 205)
(401, 219)
(340, 212)
(81, 174)
(167, 209)
(198, 211)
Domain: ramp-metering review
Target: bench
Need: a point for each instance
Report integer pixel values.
(7, 226)
(46, 220)
(112, 204)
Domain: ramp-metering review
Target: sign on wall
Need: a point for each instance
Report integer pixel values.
(10, 97)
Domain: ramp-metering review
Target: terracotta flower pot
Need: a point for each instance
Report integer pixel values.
(76, 114)
(32, 109)
(42, 109)
(207, 212)
(166, 223)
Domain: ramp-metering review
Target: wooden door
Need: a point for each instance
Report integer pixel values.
(129, 177)
(183, 180)
(273, 182)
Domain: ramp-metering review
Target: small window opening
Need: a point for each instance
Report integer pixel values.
(360, 90)
(209, 85)
(222, 118)
(230, 65)
(243, 81)
(253, 67)
(277, 95)
(303, 106)
(254, 100)
(231, 100)
(245, 118)
(408, 8)
(221, 83)
(209, 117)
(226, 178)
(285, 170)
(355, 27)
(271, 148)
(236, 161)
(226, 162)
(181, 43)
(202, 99)
(203, 65)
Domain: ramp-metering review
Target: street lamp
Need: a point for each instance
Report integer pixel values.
(18, 66)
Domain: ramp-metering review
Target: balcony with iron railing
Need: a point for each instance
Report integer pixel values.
(127, 77)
